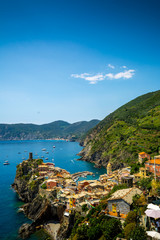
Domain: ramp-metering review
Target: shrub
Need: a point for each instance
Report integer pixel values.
(138, 233)
(128, 229)
(131, 217)
(44, 186)
(84, 208)
(111, 228)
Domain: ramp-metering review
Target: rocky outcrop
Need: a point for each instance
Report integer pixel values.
(25, 193)
(37, 207)
(38, 210)
(26, 230)
(66, 227)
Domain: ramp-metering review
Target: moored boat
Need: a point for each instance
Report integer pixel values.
(6, 163)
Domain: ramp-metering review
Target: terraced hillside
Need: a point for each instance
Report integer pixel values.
(132, 128)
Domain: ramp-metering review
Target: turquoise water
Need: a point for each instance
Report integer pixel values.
(64, 155)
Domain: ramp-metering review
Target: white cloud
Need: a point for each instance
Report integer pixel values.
(93, 79)
(89, 77)
(111, 66)
(126, 74)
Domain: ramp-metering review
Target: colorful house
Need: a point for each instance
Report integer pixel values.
(153, 166)
(42, 168)
(142, 156)
(121, 200)
(142, 174)
(51, 184)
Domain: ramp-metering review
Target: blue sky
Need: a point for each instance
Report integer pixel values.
(76, 60)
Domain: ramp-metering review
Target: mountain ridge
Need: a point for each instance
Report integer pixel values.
(57, 129)
(132, 128)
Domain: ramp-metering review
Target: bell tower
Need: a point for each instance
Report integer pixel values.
(109, 169)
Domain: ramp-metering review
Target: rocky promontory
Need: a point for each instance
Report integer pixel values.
(38, 207)
(49, 194)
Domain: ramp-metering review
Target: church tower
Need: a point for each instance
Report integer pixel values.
(109, 169)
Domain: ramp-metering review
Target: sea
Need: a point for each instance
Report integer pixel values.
(62, 153)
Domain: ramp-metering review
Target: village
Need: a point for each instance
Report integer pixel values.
(75, 194)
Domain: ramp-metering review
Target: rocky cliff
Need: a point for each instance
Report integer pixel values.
(37, 207)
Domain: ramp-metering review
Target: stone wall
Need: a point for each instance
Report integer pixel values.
(121, 206)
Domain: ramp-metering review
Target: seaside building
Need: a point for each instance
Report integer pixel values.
(142, 156)
(109, 169)
(51, 184)
(142, 174)
(103, 178)
(42, 168)
(120, 202)
(42, 173)
(128, 180)
(153, 166)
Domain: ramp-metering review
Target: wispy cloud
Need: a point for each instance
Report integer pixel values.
(125, 74)
(111, 66)
(89, 77)
(94, 78)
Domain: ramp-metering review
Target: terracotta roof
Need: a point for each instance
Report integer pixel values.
(125, 194)
(142, 153)
(157, 161)
(42, 166)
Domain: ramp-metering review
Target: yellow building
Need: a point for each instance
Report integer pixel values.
(109, 169)
(141, 174)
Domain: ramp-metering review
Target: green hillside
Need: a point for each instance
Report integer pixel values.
(132, 128)
(57, 129)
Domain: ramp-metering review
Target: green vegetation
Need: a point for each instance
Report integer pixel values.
(132, 230)
(84, 208)
(44, 186)
(96, 225)
(33, 185)
(138, 233)
(133, 128)
(145, 183)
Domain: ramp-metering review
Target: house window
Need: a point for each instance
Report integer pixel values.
(114, 207)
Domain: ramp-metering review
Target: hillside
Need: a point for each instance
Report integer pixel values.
(132, 128)
(57, 129)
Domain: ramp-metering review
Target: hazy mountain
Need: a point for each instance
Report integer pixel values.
(57, 129)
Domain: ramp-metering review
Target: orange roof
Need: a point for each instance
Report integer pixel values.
(142, 153)
(59, 175)
(152, 161)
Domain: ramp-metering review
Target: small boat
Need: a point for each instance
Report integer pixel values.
(36, 154)
(47, 152)
(54, 146)
(19, 152)
(52, 159)
(6, 163)
(43, 149)
(42, 156)
(23, 158)
(46, 158)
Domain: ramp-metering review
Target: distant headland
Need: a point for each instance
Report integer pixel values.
(58, 130)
